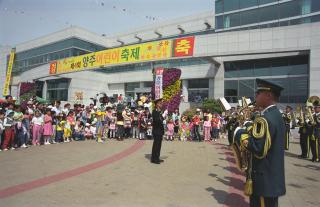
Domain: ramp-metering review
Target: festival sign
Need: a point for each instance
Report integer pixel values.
(158, 83)
(6, 89)
(129, 54)
(183, 46)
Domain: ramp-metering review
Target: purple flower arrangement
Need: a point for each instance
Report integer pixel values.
(171, 89)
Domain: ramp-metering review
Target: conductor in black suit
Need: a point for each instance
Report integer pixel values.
(157, 131)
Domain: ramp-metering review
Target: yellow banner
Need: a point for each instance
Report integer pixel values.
(129, 54)
(5, 91)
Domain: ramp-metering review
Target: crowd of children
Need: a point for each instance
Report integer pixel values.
(43, 124)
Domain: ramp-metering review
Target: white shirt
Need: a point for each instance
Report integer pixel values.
(37, 120)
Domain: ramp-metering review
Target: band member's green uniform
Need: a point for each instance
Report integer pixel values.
(265, 142)
(287, 116)
(316, 133)
(304, 140)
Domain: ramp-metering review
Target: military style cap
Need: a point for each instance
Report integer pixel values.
(316, 104)
(263, 85)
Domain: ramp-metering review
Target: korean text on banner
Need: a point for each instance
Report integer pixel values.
(129, 54)
(8, 76)
(183, 46)
(158, 90)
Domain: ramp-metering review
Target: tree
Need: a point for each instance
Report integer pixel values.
(212, 105)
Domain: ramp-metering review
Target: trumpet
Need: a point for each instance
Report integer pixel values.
(309, 116)
(300, 116)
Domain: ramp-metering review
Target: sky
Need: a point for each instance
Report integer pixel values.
(24, 20)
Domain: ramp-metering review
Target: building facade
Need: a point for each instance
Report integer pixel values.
(226, 56)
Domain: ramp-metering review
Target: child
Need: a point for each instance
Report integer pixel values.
(78, 133)
(47, 128)
(207, 128)
(99, 125)
(135, 128)
(142, 126)
(93, 129)
(112, 126)
(70, 125)
(37, 126)
(17, 118)
(127, 123)
(26, 129)
(60, 128)
(170, 130)
(176, 129)
(87, 132)
(184, 129)
(8, 131)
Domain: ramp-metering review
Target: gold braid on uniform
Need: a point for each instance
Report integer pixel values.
(263, 132)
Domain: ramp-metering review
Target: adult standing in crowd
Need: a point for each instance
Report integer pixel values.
(157, 131)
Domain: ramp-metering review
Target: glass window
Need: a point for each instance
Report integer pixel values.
(57, 89)
(262, 68)
(306, 6)
(246, 88)
(245, 68)
(39, 88)
(250, 16)
(148, 84)
(226, 21)
(198, 83)
(197, 95)
(219, 6)
(315, 6)
(315, 18)
(248, 3)
(280, 66)
(231, 90)
(289, 9)
(230, 70)
(61, 95)
(233, 20)
(269, 13)
(230, 5)
(219, 22)
(299, 65)
(131, 86)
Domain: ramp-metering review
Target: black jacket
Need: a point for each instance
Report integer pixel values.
(157, 123)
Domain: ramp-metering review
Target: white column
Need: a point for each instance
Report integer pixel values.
(44, 90)
(211, 88)
(185, 90)
(218, 88)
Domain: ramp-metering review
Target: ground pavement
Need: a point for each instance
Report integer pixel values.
(119, 174)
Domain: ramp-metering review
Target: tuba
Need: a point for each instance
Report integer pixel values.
(311, 100)
(242, 155)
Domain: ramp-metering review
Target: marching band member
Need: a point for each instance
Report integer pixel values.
(265, 143)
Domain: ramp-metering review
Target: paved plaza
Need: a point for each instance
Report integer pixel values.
(120, 174)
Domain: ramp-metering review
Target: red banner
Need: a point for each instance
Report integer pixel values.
(183, 46)
(53, 68)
